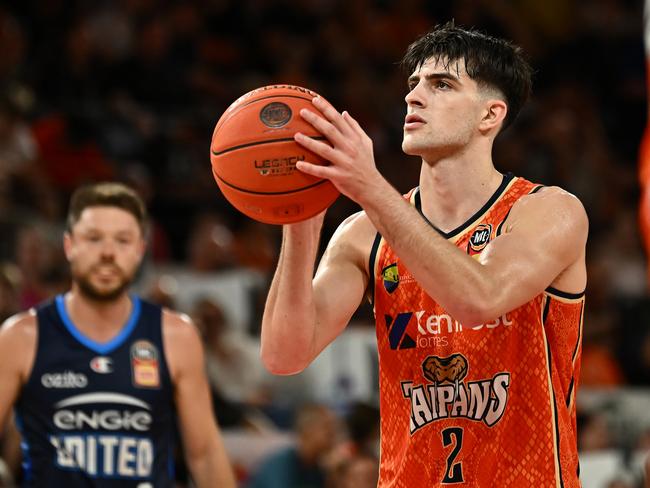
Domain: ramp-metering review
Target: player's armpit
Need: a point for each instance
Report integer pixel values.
(542, 244)
(203, 447)
(18, 336)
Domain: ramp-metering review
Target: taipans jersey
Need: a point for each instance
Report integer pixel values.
(98, 414)
(492, 406)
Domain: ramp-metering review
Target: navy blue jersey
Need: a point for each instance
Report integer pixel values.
(98, 414)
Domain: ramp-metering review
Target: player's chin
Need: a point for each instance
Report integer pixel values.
(102, 291)
(410, 147)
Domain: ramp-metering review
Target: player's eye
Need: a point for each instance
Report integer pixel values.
(442, 85)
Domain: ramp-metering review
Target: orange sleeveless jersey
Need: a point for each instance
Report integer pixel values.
(492, 406)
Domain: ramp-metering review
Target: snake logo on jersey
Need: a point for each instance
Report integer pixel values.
(447, 396)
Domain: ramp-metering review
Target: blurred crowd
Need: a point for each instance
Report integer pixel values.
(131, 90)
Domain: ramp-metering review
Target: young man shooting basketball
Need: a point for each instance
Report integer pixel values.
(477, 280)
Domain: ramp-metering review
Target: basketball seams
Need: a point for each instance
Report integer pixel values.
(256, 143)
(253, 192)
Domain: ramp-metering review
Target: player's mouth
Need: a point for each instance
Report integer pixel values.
(107, 271)
(413, 121)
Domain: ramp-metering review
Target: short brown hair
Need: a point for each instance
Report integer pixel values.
(107, 194)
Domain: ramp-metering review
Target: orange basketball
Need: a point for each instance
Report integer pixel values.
(254, 156)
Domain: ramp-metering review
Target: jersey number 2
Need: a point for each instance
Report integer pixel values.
(454, 473)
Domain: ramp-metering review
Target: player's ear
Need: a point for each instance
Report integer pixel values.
(67, 244)
(142, 246)
(493, 115)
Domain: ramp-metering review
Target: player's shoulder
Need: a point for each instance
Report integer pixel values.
(20, 326)
(177, 326)
(182, 343)
(353, 238)
(552, 201)
(19, 333)
(357, 229)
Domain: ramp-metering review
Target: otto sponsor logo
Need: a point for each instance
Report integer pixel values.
(429, 329)
(101, 364)
(66, 379)
(447, 396)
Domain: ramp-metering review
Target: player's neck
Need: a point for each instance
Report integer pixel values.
(453, 189)
(99, 320)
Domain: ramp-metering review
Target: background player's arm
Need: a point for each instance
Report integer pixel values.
(303, 312)
(204, 451)
(17, 349)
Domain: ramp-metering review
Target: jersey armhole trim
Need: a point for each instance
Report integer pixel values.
(564, 294)
(371, 268)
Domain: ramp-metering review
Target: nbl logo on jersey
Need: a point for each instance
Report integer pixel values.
(448, 395)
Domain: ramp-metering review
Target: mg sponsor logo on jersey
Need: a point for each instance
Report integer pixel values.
(448, 396)
(103, 442)
(66, 379)
(408, 330)
(479, 239)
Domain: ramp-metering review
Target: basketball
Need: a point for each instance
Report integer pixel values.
(254, 156)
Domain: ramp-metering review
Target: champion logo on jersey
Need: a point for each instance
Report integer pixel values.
(144, 365)
(391, 277)
(101, 364)
(479, 238)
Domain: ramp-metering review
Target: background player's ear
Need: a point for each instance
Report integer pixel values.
(494, 114)
(67, 244)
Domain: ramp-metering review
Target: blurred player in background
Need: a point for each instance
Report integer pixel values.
(477, 280)
(98, 376)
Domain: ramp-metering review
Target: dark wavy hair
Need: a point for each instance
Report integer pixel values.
(490, 61)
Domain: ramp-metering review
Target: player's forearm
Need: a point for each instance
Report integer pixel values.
(456, 281)
(212, 469)
(288, 324)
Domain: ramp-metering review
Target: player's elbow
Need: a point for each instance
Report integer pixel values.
(283, 364)
(477, 313)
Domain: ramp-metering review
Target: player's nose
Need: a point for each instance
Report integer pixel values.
(414, 98)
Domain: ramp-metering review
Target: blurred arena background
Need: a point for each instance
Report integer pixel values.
(131, 90)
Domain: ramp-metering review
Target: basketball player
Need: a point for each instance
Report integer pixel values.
(98, 376)
(476, 278)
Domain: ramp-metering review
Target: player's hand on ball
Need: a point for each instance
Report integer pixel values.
(350, 151)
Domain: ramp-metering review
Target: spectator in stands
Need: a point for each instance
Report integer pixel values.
(301, 466)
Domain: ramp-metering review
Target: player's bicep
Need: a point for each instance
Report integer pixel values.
(543, 238)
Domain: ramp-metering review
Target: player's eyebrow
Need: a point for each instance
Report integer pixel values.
(439, 75)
